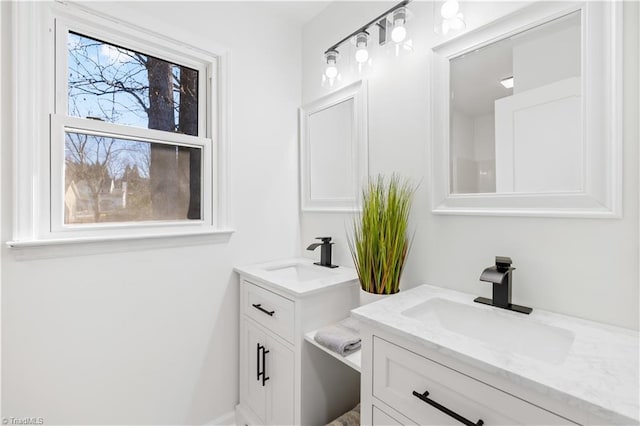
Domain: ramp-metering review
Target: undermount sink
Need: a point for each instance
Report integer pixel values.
(500, 330)
(300, 272)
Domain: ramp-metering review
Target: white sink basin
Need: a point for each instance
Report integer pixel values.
(497, 329)
(300, 272)
(298, 276)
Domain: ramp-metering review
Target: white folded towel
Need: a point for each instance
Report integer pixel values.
(342, 338)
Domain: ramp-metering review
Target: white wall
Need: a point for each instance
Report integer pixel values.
(582, 267)
(463, 173)
(149, 335)
(485, 152)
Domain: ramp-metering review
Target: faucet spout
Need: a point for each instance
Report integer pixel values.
(501, 281)
(494, 275)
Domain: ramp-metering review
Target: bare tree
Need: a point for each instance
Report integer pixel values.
(89, 162)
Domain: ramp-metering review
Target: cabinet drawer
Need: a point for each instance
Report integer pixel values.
(397, 373)
(271, 310)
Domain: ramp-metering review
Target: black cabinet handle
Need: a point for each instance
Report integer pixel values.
(259, 307)
(264, 366)
(262, 373)
(458, 417)
(258, 361)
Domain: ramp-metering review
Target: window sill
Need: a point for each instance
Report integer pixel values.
(63, 247)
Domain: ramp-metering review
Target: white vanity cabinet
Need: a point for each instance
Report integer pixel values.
(283, 379)
(431, 356)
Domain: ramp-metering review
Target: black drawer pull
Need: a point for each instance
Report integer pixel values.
(259, 307)
(458, 417)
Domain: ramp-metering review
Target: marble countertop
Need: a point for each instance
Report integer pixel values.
(282, 276)
(596, 372)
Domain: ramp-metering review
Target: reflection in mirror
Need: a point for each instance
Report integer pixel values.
(516, 113)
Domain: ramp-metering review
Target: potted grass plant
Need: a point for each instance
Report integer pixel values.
(380, 242)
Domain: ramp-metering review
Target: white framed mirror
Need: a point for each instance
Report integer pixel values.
(527, 114)
(333, 150)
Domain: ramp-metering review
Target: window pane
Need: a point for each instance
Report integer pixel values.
(118, 180)
(118, 85)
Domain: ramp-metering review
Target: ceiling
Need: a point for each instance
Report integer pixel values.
(475, 78)
(301, 11)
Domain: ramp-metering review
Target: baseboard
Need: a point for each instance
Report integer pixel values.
(227, 419)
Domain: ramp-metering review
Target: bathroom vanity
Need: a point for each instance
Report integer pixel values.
(284, 381)
(432, 356)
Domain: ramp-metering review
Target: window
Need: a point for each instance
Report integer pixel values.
(124, 179)
(135, 142)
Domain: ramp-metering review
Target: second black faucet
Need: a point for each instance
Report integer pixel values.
(500, 276)
(325, 251)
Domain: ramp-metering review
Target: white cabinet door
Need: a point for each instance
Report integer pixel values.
(279, 367)
(268, 376)
(253, 340)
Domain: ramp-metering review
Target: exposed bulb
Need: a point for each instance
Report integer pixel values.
(362, 55)
(331, 57)
(449, 9)
(331, 72)
(399, 33)
(361, 40)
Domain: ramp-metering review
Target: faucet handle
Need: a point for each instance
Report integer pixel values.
(503, 262)
(325, 240)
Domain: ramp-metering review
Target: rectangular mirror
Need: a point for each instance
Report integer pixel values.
(333, 150)
(527, 114)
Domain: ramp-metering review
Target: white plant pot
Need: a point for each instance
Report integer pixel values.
(366, 297)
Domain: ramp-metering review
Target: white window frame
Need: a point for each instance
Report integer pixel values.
(41, 120)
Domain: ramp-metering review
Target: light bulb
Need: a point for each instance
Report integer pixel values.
(449, 9)
(331, 71)
(399, 33)
(362, 55)
(331, 57)
(361, 40)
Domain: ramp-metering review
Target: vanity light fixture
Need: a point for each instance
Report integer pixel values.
(507, 82)
(391, 23)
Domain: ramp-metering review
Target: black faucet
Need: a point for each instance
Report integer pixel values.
(500, 276)
(325, 252)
